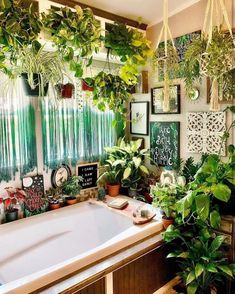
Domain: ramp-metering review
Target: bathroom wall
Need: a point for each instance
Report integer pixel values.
(187, 21)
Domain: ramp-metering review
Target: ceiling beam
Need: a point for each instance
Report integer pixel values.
(102, 13)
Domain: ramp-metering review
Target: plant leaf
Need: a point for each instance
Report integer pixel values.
(191, 277)
(221, 192)
(216, 243)
(126, 173)
(144, 169)
(192, 288)
(215, 219)
(226, 270)
(202, 206)
(199, 269)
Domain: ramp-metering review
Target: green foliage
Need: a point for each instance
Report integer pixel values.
(202, 263)
(47, 65)
(166, 197)
(19, 27)
(76, 34)
(72, 186)
(129, 157)
(113, 171)
(110, 92)
(131, 46)
(212, 60)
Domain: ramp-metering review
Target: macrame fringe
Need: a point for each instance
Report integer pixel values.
(214, 101)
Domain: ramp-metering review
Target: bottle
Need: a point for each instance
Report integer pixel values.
(2, 212)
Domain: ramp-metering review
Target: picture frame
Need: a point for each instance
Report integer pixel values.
(164, 142)
(157, 100)
(139, 118)
(90, 173)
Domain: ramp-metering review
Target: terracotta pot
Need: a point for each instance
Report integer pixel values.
(167, 221)
(71, 200)
(85, 87)
(12, 215)
(113, 190)
(54, 206)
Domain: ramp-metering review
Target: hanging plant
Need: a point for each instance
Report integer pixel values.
(76, 34)
(39, 68)
(110, 92)
(212, 55)
(19, 27)
(213, 60)
(166, 58)
(131, 46)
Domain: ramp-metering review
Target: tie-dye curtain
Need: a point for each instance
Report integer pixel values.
(17, 131)
(74, 130)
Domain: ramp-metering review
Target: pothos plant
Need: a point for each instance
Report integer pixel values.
(76, 34)
(212, 59)
(131, 46)
(110, 92)
(19, 27)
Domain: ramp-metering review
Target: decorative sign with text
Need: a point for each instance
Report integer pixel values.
(34, 189)
(89, 173)
(165, 142)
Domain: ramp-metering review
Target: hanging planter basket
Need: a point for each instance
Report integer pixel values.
(35, 92)
(65, 90)
(86, 87)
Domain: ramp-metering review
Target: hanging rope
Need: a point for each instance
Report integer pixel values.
(165, 32)
(212, 19)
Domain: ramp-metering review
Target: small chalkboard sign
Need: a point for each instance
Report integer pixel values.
(165, 142)
(89, 173)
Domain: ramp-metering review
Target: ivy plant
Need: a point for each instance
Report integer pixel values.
(212, 59)
(131, 46)
(19, 27)
(76, 34)
(110, 92)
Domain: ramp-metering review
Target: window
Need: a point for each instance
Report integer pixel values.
(17, 132)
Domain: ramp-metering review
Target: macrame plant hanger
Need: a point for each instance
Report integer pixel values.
(212, 19)
(165, 32)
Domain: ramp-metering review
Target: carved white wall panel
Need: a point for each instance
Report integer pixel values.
(204, 131)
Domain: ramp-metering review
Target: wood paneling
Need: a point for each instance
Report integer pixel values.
(144, 275)
(96, 288)
(102, 13)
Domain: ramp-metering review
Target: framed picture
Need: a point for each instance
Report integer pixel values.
(157, 96)
(139, 116)
(165, 142)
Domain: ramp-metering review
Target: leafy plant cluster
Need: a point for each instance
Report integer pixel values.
(125, 164)
(214, 59)
(196, 207)
(131, 46)
(19, 27)
(72, 186)
(76, 34)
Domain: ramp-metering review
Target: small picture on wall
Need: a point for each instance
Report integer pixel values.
(157, 96)
(139, 116)
(165, 142)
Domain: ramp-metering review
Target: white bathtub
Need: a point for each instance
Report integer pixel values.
(44, 248)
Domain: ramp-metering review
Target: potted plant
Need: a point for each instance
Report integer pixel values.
(203, 264)
(38, 68)
(54, 198)
(71, 188)
(112, 175)
(20, 26)
(110, 92)
(64, 90)
(132, 160)
(165, 198)
(75, 33)
(11, 212)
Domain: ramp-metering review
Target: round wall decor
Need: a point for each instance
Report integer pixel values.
(59, 175)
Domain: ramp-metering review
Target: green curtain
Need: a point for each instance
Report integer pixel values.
(17, 131)
(74, 130)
